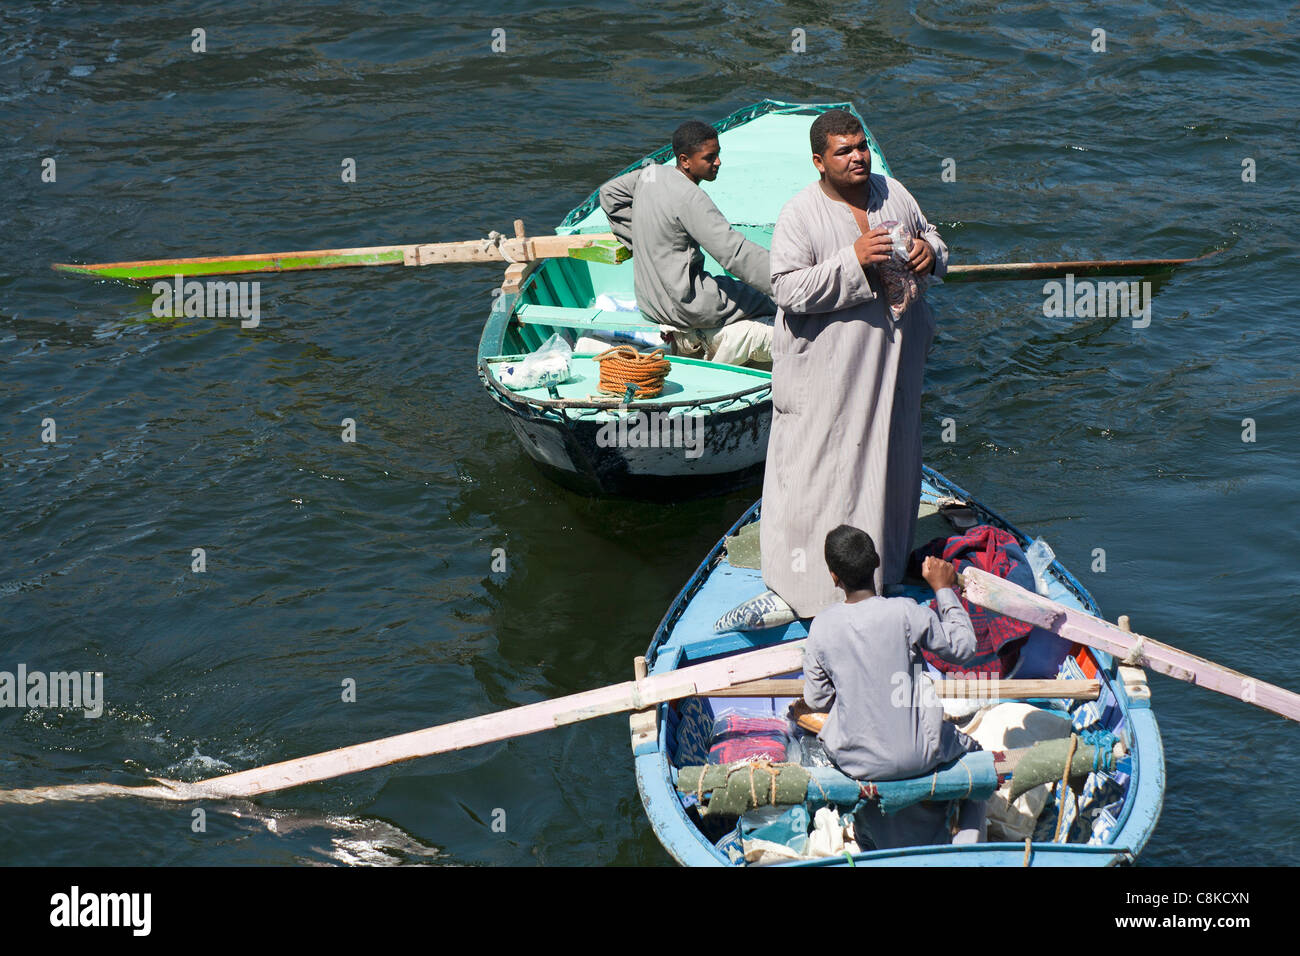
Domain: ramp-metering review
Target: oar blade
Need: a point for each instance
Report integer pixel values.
(519, 721)
(146, 269)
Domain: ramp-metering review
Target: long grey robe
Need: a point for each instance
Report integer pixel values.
(664, 218)
(845, 445)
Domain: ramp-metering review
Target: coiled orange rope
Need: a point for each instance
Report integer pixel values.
(623, 365)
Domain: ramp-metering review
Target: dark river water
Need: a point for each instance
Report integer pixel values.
(371, 561)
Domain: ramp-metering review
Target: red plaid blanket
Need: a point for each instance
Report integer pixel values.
(999, 638)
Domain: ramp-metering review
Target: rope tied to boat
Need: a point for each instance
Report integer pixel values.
(623, 366)
(1065, 787)
(737, 787)
(1103, 743)
(751, 766)
(1136, 656)
(970, 782)
(497, 240)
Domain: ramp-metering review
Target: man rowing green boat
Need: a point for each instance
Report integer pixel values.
(664, 217)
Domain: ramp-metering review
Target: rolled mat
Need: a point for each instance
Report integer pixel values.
(734, 788)
(1044, 762)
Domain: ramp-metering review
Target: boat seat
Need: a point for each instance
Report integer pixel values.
(592, 318)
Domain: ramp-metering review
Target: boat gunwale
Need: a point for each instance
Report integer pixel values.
(615, 404)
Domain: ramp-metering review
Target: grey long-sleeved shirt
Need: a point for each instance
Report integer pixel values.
(862, 661)
(664, 218)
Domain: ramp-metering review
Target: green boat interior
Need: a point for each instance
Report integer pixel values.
(562, 294)
(765, 160)
(561, 297)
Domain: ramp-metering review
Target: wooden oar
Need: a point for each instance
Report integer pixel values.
(1003, 597)
(973, 689)
(1052, 270)
(596, 247)
(503, 725)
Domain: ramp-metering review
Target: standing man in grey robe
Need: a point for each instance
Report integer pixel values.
(664, 217)
(845, 446)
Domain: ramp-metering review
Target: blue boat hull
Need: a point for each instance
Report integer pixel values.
(686, 636)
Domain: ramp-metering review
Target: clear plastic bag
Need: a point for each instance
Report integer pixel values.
(549, 365)
(900, 237)
(787, 826)
(1040, 556)
(812, 752)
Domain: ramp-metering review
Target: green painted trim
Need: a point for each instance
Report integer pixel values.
(609, 251)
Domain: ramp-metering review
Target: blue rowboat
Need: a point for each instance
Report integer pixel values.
(707, 432)
(1108, 824)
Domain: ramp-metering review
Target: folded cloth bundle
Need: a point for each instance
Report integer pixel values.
(758, 613)
(901, 289)
(737, 737)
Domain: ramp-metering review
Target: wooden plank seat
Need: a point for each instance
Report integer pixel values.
(591, 318)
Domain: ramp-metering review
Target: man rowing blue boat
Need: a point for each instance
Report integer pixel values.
(859, 663)
(664, 217)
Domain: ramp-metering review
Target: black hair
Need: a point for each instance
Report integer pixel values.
(851, 556)
(690, 136)
(832, 123)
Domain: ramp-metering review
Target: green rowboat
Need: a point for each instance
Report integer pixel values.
(707, 432)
